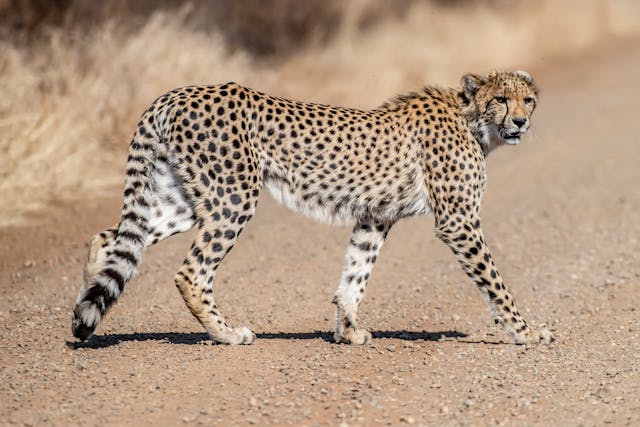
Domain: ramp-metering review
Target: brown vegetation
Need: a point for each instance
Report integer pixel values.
(75, 75)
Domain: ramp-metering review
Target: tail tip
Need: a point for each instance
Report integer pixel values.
(79, 327)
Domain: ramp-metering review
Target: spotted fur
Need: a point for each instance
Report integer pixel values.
(201, 155)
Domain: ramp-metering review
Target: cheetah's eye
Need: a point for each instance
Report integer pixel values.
(529, 100)
(500, 99)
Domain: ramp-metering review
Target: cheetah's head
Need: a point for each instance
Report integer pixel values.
(499, 106)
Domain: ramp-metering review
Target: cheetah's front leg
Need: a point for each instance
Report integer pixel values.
(467, 243)
(364, 246)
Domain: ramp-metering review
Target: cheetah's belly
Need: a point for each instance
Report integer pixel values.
(342, 204)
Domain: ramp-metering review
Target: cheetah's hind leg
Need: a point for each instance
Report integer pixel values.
(217, 235)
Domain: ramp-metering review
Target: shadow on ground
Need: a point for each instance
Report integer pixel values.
(109, 340)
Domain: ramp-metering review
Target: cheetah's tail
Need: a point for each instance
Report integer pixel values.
(123, 253)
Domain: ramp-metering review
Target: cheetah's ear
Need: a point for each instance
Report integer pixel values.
(528, 79)
(471, 83)
(524, 76)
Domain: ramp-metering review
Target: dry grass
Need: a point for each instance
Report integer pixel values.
(69, 104)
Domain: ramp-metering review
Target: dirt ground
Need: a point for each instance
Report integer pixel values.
(562, 215)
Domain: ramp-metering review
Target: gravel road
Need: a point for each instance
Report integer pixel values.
(562, 215)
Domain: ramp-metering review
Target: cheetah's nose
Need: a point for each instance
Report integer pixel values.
(519, 121)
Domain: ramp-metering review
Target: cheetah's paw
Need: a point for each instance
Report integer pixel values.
(536, 336)
(239, 335)
(353, 336)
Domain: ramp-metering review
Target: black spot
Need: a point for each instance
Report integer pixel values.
(130, 236)
(116, 276)
(131, 216)
(366, 246)
(125, 255)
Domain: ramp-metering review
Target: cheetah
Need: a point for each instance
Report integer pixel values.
(201, 155)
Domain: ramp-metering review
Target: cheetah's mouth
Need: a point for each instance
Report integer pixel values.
(511, 138)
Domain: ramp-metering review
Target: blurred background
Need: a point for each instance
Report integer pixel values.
(561, 214)
(75, 74)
